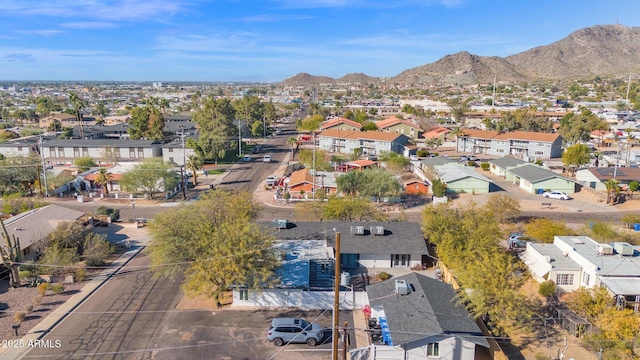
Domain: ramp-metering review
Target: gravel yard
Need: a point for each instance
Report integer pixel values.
(13, 301)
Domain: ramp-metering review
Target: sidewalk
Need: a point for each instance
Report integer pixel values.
(48, 323)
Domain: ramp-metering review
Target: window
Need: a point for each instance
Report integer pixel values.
(52, 151)
(132, 152)
(585, 278)
(26, 251)
(244, 294)
(85, 151)
(19, 148)
(116, 152)
(140, 152)
(76, 152)
(170, 149)
(539, 152)
(60, 151)
(564, 279)
(433, 349)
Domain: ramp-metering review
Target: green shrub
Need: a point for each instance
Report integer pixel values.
(384, 276)
(42, 288)
(633, 185)
(37, 300)
(422, 153)
(547, 288)
(19, 317)
(25, 274)
(436, 154)
(79, 275)
(97, 249)
(471, 163)
(485, 166)
(57, 288)
(541, 356)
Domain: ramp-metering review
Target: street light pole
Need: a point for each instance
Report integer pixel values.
(183, 172)
(44, 168)
(239, 139)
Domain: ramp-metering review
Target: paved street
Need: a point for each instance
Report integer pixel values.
(118, 321)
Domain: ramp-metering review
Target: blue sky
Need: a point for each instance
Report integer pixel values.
(271, 40)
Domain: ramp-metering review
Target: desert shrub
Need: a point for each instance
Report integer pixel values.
(112, 213)
(422, 153)
(25, 274)
(384, 276)
(57, 288)
(79, 275)
(42, 288)
(19, 316)
(471, 163)
(541, 356)
(485, 166)
(37, 300)
(28, 308)
(631, 218)
(547, 288)
(436, 154)
(57, 259)
(633, 185)
(97, 249)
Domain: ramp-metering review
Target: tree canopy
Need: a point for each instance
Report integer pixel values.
(150, 176)
(215, 243)
(217, 131)
(146, 122)
(576, 156)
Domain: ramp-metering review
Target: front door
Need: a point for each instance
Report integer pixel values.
(400, 260)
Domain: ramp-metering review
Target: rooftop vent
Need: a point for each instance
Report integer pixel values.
(605, 249)
(402, 288)
(623, 248)
(376, 230)
(357, 230)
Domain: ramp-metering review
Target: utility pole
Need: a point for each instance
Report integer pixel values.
(44, 168)
(183, 174)
(314, 166)
(239, 139)
(336, 298)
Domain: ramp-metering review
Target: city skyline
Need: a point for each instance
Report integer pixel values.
(269, 41)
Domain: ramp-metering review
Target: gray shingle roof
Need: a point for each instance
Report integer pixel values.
(399, 238)
(36, 224)
(534, 173)
(429, 310)
(506, 161)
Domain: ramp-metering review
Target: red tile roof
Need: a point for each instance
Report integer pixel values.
(300, 177)
(361, 163)
(383, 124)
(367, 135)
(337, 121)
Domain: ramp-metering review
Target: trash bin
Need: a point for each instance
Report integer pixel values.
(636, 227)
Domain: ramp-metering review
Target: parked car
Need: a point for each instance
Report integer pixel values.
(293, 330)
(270, 181)
(266, 158)
(556, 195)
(414, 157)
(246, 158)
(517, 240)
(463, 159)
(473, 158)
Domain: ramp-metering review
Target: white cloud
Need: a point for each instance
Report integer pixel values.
(274, 18)
(89, 25)
(117, 10)
(42, 32)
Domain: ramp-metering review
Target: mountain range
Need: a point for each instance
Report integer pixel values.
(602, 50)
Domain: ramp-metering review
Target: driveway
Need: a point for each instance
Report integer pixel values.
(237, 334)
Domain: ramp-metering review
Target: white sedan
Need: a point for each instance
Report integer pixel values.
(556, 195)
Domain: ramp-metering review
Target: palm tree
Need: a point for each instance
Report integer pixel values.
(103, 178)
(292, 142)
(613, 189)
(78, 105)
(458, 133)
(194, 163)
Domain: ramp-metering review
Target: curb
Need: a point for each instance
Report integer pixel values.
(59, 314)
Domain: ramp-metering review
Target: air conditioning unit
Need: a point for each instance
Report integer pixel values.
(280, 224)
(376, 230)
(605, 249)
(623, 248)
(402, 288)
(357, 230)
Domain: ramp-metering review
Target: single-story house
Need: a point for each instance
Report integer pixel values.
(418, 317)
(32, 226)
(463, 179)
(502, 166)
(301, 181)
(579, 261)
(360, 165)
(596, 177)
(413, 185)
(366, 244)
(532, 178)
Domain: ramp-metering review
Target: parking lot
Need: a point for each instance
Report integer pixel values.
(238, 334)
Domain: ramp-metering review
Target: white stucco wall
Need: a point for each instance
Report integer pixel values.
(300, 299)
